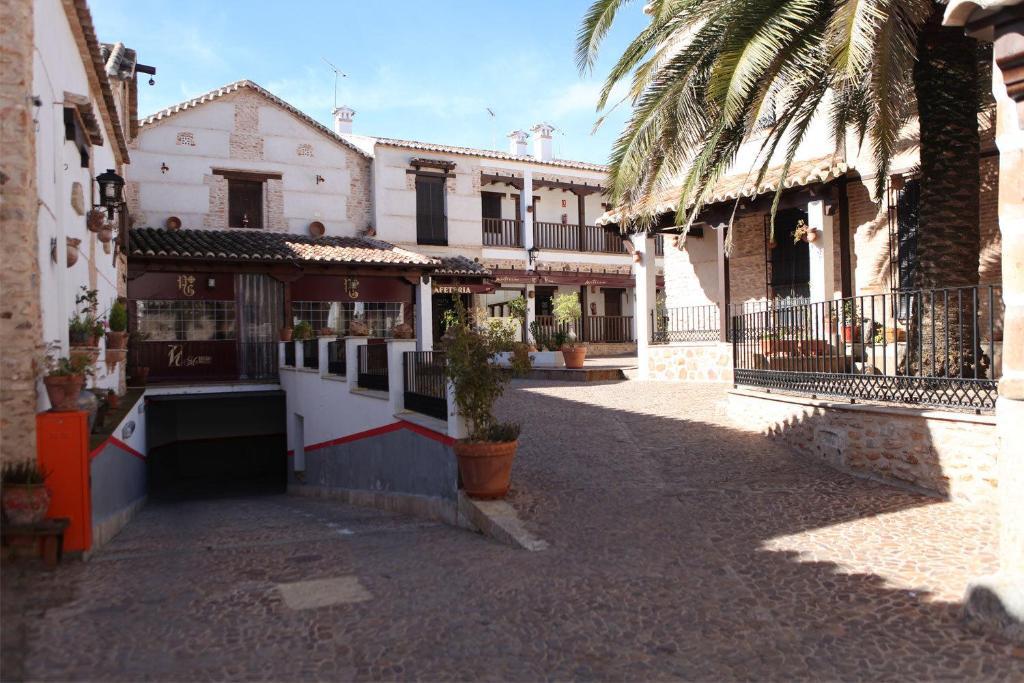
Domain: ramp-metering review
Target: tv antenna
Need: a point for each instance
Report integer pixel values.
(337, 72)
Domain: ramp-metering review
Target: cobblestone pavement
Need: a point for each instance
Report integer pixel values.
(681, 548)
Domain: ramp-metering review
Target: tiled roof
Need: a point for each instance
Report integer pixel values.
(471, 151)
(261, 246)
(235, 87)
(733, 187)
(461, 265)
(120, 61)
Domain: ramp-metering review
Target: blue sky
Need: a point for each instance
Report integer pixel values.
(419, 70)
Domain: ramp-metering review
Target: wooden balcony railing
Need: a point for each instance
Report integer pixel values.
(595, 328)
(502, 232)
(566, 237)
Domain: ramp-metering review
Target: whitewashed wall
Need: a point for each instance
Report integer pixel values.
(57, 69)
(184, 190)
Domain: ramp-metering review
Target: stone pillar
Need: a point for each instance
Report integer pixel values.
(351, 360)
(820, 253)
(531, 312)
(424, 315)
(396, 372)
(526, 214)
(21, 329)
(645, 280)
(322, 360)
(996, 602)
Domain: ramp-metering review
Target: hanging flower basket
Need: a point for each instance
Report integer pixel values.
(94, 220)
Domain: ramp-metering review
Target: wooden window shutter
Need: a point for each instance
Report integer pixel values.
(245, 204)
(431, 225)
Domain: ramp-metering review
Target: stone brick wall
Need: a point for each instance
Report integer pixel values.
(692, 362)
(691, 271)
(217, 217)
(596, 349)
(951, 454)
(246, 141)
(359, 209)
(275, 206)
(20, 316)
(746, 264)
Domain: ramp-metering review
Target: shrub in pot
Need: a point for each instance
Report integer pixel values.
(485, 456)
(117, 322)
(25, 498)
(85, 326)
(286, 333)
(402, 331)
(302, 331)
(64, 379)
(358, 328)
(566, 308)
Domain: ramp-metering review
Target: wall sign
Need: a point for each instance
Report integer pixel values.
(452, 289)
(128, 430)
(187, 285)
(176, 358)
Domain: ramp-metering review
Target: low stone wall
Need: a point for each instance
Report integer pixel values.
(691, 361)
(951, 454)
(609, 348)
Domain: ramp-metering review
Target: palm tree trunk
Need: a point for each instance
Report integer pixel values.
(948, 99)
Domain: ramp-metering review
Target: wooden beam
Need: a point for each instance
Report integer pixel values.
(578, 188)
(487, 178)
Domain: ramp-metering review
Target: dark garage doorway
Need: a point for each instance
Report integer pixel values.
(213, 445)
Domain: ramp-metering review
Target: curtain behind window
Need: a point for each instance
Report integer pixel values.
(260, 301)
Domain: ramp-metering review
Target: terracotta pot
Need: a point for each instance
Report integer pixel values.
(90, 353)
(485, 467)
(773, 346)
(811, 347)
(327, 332)
(63, 391)
(139, 375)
(850, 332)
(113, 400)
(72, 248)
(25, 503)
(94, 220)
(402, 331)
(574, 356)
(105, 234)
(811, 236)
(286, 334)
(357, 328)
(117, 340)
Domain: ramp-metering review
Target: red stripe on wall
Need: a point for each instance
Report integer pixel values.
(114, 441)
(369, 433)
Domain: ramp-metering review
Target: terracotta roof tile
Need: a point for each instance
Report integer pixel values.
(461, 265)
(472, 151)
(258, 245)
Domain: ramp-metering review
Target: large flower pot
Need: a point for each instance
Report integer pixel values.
(63, 391)
(286, 334)
(574, 356)
(850, 332)
(117, 340)
(25, 503)
(486, 467)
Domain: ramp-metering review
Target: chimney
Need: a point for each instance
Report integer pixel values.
(517, 142)
(343, 119)
(542, 143)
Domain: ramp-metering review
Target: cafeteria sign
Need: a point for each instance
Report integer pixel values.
(452, 289)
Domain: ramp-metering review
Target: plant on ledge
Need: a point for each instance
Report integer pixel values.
(302, 331)
(117, 336)
(25, 497)
(567, 312)
(485, 456)
(64, 378)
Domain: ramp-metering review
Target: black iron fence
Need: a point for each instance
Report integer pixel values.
(289, 354)
(933, 347)
(425, 384)
(311, 354)
(336, 357)
(372, 361)
(687, 324)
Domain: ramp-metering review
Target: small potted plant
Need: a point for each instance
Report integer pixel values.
(65, 377)
(117, 324)
(25, 497)
(485, 456)
(566, 309)
(851, 320)
(402, 331)
(84, 327)
(286, 333)
(302, 331)
(327, 331)
(357, 327)
(804, 233)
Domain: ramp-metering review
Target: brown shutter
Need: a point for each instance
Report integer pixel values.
(245, 204)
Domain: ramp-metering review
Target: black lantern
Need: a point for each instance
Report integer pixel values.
(532, 254)
(111, 191)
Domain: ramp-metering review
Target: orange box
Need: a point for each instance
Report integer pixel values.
(62, 442)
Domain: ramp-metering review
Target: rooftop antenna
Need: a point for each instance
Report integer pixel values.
(494, 136)
(337, 72)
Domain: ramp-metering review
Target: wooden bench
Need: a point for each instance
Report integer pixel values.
(49, 531)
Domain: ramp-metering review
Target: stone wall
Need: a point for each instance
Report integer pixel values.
(692, 362)
(20, 317)
(360, 197)
(950, 454)
(746, 264)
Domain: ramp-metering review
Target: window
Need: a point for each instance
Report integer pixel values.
(245, 203)
(907, 219)
(431, 222)
(186, 320)
(789, 271)
(380, 316)
(545, 300)
(74, 132)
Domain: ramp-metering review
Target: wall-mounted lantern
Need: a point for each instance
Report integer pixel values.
(111, 192)
(532, 254)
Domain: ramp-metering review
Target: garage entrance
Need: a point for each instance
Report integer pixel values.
(210, 445)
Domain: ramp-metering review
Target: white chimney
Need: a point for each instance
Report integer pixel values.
(517, 142)
(343, 119)
(542, 143)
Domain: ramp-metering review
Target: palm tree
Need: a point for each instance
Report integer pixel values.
(703, 71)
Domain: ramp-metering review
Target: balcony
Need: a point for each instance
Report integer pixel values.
(565, 237)
(502, 232)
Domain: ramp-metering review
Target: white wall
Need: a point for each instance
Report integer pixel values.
(181, 191)
(57, 69)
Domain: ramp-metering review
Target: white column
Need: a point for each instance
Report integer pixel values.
(457, 427)
(531, 312)
(300, 355)
(526, 213)
(280, 353)
(821, 254)
(322, 343)
(396, 372)
(645, 292)
(424, 316)
(352, 360)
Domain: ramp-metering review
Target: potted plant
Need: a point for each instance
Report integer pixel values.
(566, 309)
(286, 333)
(850, 321)
(117, 324)
(64, 379)
(804, 233)
(327, 331)
(302, 331)
(485, 456)
(403, 331)
(358, 327)
(85, 326)
(25, 497)
(112, 399)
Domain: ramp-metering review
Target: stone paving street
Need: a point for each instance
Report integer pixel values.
(681, 548)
